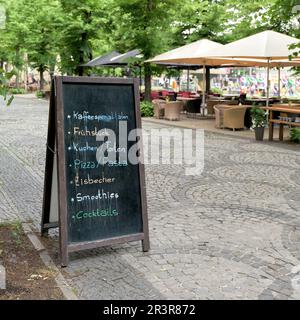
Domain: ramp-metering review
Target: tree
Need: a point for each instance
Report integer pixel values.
(285, 14)
(198, 20)
(83, 23)
(14, 35)
(244, 18)
(43, 20)
(144, 25)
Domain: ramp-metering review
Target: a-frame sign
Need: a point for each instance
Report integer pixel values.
(93, 203)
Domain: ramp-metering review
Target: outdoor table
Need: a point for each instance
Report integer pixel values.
(191, 105)
(221, 100)
(255, 100)
(230, 95)
(186, 98)
(286, 105)
(260, 100)
(284, 109)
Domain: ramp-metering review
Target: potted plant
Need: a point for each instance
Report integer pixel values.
(259, 122)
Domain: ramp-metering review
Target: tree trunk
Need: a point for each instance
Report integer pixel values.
(147, 70)
(41, 80)
(17, 79)
(17, 67)
(80, 69)
(147, 55)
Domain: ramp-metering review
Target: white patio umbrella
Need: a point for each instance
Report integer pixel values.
(208, 53)
(194, 49)
(270, 46)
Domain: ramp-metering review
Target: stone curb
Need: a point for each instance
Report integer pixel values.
(66, 289)
(2, 278)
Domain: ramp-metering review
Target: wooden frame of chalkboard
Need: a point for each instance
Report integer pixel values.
(55, 192)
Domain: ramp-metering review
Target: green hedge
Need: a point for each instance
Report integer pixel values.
(147, 109)
(17, 91)
(295, 135)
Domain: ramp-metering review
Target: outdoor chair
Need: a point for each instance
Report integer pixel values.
(234, 118)
(219, 113)
(210, 106)
(172, 110)
(159, 108)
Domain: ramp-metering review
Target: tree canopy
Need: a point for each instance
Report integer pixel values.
(67, 33)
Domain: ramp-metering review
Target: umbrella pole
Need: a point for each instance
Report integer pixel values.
(203, 90)
(279, 83)
(268, 82)
(188, 79)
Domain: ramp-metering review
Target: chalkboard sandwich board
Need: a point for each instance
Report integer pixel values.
(92, 192)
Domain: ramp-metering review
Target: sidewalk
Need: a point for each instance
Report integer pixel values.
(209, 126)
(232, 232)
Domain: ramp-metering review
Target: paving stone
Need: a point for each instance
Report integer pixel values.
(232, 232)
(2, 277)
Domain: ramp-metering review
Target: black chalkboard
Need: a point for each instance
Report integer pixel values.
(98, 203)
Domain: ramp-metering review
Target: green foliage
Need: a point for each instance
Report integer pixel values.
(4, 86)
(43, 18)
(295, 135)
(147, 109)
(244, 18)
(40, 94)
(82, 24)
(216, 90)
(67, 33)
(17, 91)
(17, 232)
(196, 20)
(259, 117)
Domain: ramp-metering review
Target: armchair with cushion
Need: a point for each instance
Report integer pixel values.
(228, 116)
(234, 118)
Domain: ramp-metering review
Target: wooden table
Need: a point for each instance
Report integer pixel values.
(281, 123)
(231, 95)
(191, 105)
(186, 99)
(286, 105)
(261, 101)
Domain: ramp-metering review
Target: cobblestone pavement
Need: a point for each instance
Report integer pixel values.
(231, 233)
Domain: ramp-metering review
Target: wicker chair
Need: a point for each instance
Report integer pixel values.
(234, 118)
(228, 116)
(159, 108)
(219, 113)
(211, 103)
(172, 110)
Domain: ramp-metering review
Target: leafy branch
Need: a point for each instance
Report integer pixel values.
(4, 86)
